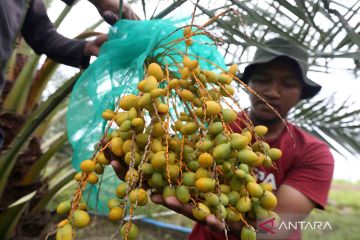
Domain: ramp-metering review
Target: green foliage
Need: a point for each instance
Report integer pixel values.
(336, 124)
(42, 203)
(8, 159)
(16, 99)
(40, 164)
(24, 99)
(11, 216)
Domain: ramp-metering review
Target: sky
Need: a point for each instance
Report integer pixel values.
(342, 83)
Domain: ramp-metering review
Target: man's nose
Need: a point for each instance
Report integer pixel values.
(273, 91)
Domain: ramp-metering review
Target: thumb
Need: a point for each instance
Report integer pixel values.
(110, 17)
(118, 168)
(100, 39)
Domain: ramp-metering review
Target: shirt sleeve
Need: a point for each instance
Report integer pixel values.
(312, 175)
(42, 36)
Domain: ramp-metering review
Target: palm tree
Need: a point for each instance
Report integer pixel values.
(325, 29)
(25, 117)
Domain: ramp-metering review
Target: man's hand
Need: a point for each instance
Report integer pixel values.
(186, 209)
(92, 47)
(109, 10)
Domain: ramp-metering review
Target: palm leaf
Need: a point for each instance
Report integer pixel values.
(302, 23)
(169, 9)
(144, 7)
(16, 99)
(296, 23)
(330, 122)
(34, 172)
(53, 189)
(11, 216)
(7, 160)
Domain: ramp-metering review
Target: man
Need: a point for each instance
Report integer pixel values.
(304, 172)
(30, 18)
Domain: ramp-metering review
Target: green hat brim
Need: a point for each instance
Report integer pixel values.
(310, 88)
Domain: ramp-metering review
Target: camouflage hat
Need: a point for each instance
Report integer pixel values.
(281, 48)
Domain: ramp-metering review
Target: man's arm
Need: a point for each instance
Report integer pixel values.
(306, 185)
(42, 36)
(292, 206)
(292, 201)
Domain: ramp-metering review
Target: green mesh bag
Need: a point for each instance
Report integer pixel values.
(116, 72)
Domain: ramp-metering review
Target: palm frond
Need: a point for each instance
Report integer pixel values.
(169, 9)
(330, 122)
(326, 31)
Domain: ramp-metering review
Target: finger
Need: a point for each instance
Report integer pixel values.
(116, 166)
(95, 51)
(109, 155)
(128, 13)
(157, 198)
(214, 223)
(119, 170)
(110, 17)
(236, 227)
(170, 202)
(174, 204)
(101, 39)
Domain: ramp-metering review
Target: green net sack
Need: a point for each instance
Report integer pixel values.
(116, 72)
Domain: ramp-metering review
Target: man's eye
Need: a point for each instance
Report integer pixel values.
(290, 84)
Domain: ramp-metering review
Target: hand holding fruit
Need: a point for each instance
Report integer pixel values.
(187, 210)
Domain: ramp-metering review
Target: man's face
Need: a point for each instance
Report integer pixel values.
(277, 83)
